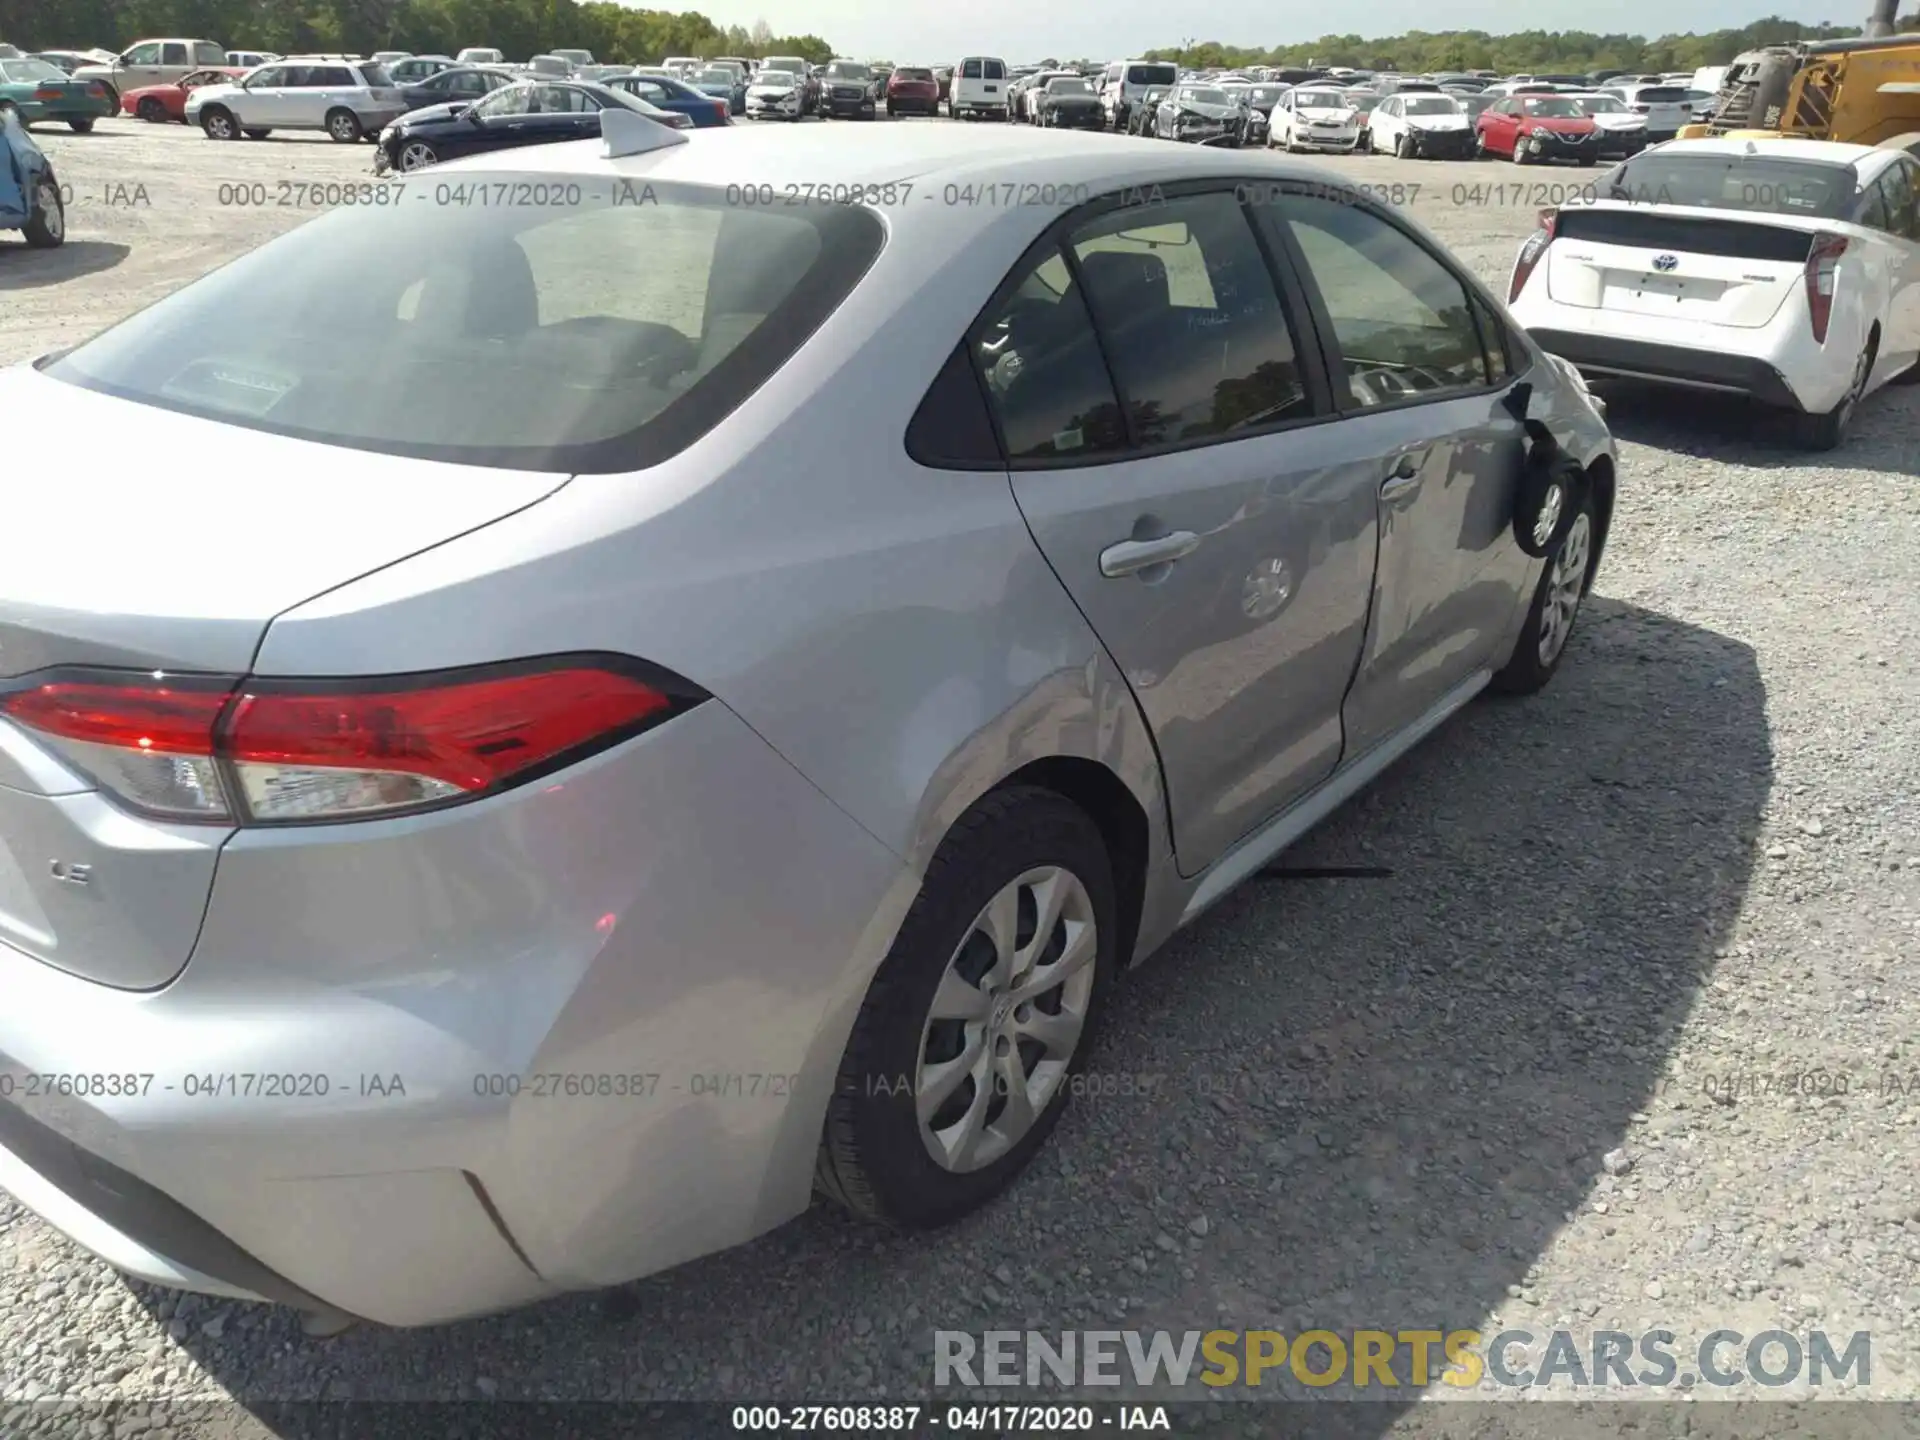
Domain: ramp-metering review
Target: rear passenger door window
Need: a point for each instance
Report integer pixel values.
(174, 52)
(1046, 379)
(1402, 322)
(1192, 323)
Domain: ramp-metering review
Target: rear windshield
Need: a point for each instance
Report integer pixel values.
(905, 74)
(1735, 182)
(1152, 74)
(23, 71)
(1069, 87)
(597, 336)
(1661, 95)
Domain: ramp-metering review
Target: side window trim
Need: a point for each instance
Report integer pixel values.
(1323, 320)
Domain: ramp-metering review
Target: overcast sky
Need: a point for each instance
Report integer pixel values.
(1114, 29)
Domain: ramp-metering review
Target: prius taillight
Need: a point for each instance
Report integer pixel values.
(1531, 253)
(1822, 279)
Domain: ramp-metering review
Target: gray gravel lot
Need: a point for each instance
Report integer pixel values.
(1537, 1078)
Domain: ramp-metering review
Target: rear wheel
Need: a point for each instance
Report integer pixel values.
(1829, 431)
(343, 127)
(963, 1056)
(151, 111)
(257, 134)
(81, 127)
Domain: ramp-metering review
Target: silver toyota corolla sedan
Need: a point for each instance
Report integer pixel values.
(700, 664)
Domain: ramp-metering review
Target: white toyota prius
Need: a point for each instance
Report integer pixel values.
(1787, 270)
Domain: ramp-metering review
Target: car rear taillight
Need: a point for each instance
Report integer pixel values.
(1822, 275)
(1531, 253)
(722, 107)
(48, 92)
(268, 751)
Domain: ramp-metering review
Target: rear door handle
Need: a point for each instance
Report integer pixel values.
(1130, 557)
(1403, 483)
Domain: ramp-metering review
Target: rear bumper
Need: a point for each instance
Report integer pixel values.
(437, 1068)
(1613, 356)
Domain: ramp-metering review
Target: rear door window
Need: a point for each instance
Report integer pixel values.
(970, 70)
(1045, 376)
(1191, 320)
(174, 52)
(993, 70)
(602, 337)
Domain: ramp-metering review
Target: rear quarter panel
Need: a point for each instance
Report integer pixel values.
(892, 631)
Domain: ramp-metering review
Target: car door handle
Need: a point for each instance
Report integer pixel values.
(1130, 557)
(1404, 481)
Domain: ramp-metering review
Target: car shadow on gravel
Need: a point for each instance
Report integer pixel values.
(1729, 427)
(1330, 1104)
(24, 268)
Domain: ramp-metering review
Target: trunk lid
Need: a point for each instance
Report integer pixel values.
(1675, 263)
(176, 560)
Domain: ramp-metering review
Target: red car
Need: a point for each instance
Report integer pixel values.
(1533, 129)
(161, 103)
(913, 91)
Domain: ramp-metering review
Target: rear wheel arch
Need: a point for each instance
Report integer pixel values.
(1117, 813)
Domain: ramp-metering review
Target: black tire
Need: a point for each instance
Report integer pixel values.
(151, 111)
(1908, 376)
(81, 127)
(1548, 496)
(891, 112)
(46, 227)
(1829, 431)
(343, 126)
(1525, 672)
(256, 134)
(218, 123)
(873, 1159)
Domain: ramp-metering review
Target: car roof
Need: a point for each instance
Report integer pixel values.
(1831, 152)
(924, 155)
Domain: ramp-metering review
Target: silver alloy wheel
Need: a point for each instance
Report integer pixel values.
(1562, 600)
(416, 156)
(219, 125)
(52, 217)
(1006, 1019)
(1549, 516)
(344, 128)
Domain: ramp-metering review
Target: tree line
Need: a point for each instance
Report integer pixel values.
(616, 34)
(1573, 51)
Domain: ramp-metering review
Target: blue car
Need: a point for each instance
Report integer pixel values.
(704, 109)
(723, 84)
(30, 200)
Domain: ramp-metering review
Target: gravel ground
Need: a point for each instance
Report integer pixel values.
(1537, 1078)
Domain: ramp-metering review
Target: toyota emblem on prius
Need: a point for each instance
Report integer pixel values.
(1664, 263)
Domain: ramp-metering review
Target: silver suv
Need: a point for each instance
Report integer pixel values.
(348, 99)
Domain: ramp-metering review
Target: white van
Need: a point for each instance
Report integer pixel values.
(479, 55)
(1126, 81)
(979, 88)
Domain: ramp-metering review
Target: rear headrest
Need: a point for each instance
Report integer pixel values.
(1121, 281)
